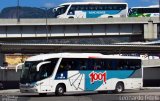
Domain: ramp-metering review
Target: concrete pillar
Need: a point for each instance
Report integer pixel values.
(150, 30)
(158, 31)
(1, 64)
(155, 31)
(2, 59)
(146, 31)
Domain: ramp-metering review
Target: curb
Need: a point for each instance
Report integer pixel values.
(9, 91)
(145, 88)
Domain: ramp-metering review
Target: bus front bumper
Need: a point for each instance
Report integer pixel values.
(28, 90)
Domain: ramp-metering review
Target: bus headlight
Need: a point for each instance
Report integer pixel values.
(38, 84)
(31, 85)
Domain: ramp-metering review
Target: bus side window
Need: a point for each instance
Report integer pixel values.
(97, 67)
(62, 66)
(98, 64)
(96, 7)
(45, 71)
(72, 9)
(106, 65)
(125, 64)
(114, 64)
(85, 7)
(81, 64)
(68, 66)
(91, 7)
(122, 64)
(134, 64)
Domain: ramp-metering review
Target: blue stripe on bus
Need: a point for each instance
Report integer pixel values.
(110, 74)
(98, 13)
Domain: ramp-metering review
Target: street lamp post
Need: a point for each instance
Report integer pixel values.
(159, 10)
(18, 19)
(46, 21)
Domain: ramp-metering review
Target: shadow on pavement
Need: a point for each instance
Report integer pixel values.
(78, 94)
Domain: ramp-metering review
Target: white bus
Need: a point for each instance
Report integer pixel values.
(66, 72)
(91, 10)
(151, 11)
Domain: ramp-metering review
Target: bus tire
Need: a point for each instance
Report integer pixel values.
(71, 17)
(60, 89)
(119, 87)
(110, 16)
(42, 94)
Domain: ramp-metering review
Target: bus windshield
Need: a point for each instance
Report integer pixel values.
(61, 10)
(30, 74)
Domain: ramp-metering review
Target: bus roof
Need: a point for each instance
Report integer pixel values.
(42, 57)
(153, 6)
(91, 3)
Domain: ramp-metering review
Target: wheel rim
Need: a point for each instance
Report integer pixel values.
(60, 90)
(119, 88)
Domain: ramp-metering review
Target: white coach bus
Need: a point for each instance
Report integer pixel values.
(91, 10)
(66, 72)
(151, 11)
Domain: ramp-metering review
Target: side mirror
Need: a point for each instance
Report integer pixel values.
(42, 63)
(54, 10)
(20, 65)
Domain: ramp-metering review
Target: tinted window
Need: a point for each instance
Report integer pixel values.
(80, 64)
(134, 64)
(147, 10)
(30, 74)
(46, 70)
(99, 64)
(122, 64)
(96, 7)
(72, 9)
(114, 7)
(151, 10)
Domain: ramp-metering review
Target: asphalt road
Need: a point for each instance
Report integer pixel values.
(132, 95)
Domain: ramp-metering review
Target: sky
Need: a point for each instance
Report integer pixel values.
(54, 3)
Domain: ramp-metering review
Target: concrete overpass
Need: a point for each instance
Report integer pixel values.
(55, 48)
(147, 28)
(52, 48)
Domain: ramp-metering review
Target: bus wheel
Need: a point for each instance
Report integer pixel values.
(60, 89)
(119, 87)
(71, 17)
(42, 94)
(110, 16)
